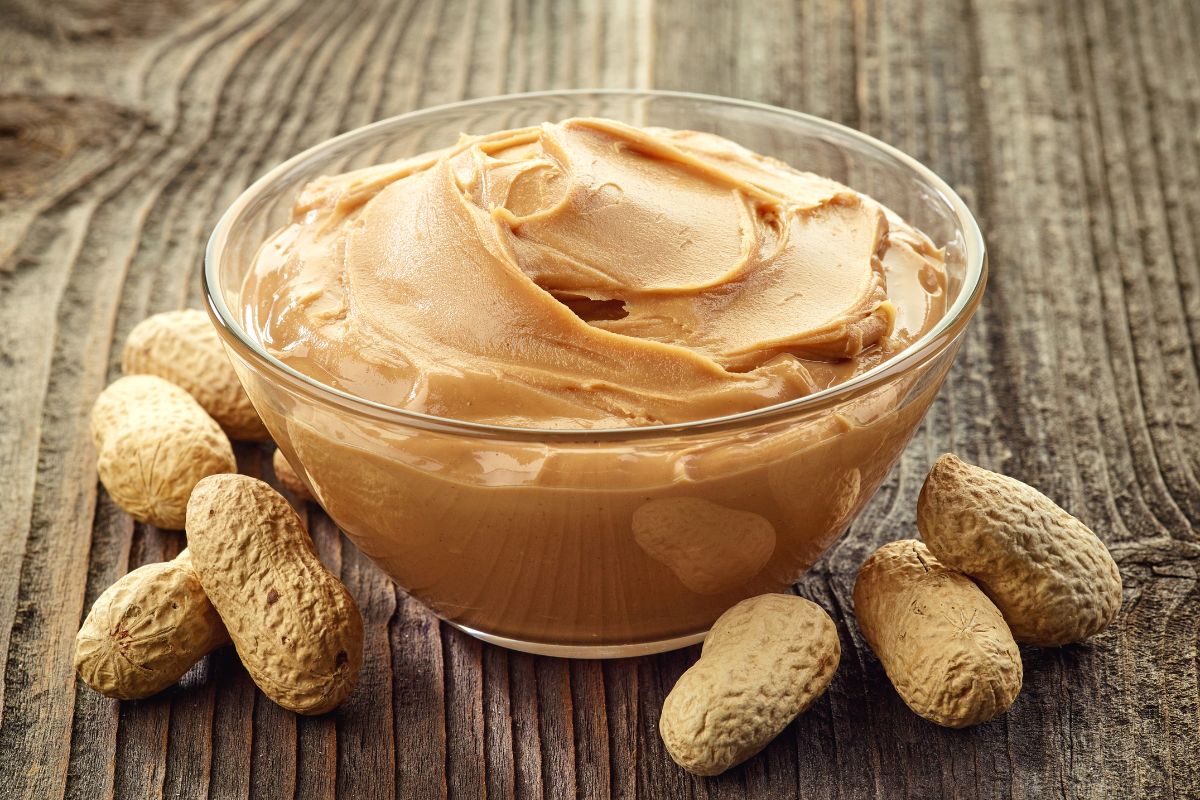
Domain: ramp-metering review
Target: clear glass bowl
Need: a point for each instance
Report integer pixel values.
(599, 543)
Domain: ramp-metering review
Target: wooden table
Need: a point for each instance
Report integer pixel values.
(125, 129)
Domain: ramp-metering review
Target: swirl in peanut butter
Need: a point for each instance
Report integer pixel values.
(589, 274)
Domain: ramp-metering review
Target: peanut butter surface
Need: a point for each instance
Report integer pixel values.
(589, 274)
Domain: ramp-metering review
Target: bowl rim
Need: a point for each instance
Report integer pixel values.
(934, 342)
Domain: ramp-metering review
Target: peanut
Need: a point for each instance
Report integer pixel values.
(146, 630)
(763, 663)
(296, 628)
(710, 548)
(184, 348)
(153, 444)
(1048, 573)
(289, 478)
(943, 644)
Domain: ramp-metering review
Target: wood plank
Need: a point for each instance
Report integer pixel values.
(1067, 127)
(366, 748)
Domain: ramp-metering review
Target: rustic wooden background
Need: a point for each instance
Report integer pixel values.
(1071, 128)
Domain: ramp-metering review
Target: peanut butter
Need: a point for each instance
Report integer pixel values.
(589, 274)
(584, 275)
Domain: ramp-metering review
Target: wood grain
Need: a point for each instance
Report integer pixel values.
(125, 129)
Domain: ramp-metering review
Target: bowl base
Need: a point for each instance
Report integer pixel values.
(585, 650)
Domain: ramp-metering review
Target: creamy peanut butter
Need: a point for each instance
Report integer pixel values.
(589, 274)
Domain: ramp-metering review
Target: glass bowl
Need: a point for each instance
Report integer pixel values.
(599, 543)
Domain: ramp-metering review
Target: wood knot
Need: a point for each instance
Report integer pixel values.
(39, 134)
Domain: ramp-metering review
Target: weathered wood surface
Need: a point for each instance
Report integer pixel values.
(125, 128)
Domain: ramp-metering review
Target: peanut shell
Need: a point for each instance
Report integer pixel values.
(184, 348)
(763, 663)
(1048, 573)
(296, 628)
(944, 645)
(153, 444)
(289, 478)
(710, 548)
(146, 630)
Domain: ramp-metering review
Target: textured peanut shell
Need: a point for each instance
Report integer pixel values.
(763, 663)
(153, 444)
(710, 548)
(1047, 572)
(944, 645)
(296, 628)
(288, 477)
(146, 630)
(184, 348)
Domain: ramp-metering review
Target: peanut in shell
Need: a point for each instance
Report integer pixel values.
(184, 348)
(146, 630)
(944, 645)
(1048, 573)
(709, 548)
(289, 478)
(153, 445)
(763, 663)
(296, 628)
